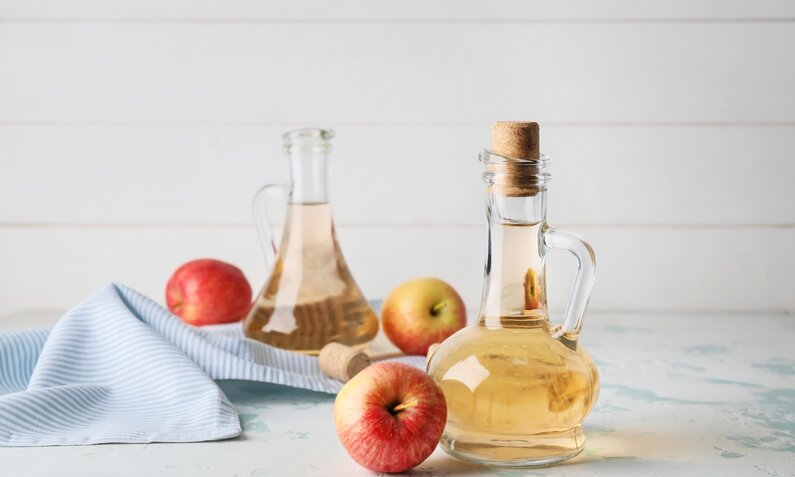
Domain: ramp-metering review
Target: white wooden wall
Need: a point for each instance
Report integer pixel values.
(134, 133)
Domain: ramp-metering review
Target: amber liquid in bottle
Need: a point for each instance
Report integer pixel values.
(311, 298)
(515, 394)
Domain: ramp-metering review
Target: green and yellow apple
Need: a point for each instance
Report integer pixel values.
(422, 312)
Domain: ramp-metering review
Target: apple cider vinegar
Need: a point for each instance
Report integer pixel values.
(512, 392)
(517, 386)
(513, 395)
(310, 298)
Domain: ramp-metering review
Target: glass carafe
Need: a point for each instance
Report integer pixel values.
(518, 386)
(310, 298)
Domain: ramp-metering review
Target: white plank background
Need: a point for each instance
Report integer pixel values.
(365, 72)
(133, 135)
(386, 10)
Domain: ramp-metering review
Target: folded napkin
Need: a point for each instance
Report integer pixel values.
(120, 368)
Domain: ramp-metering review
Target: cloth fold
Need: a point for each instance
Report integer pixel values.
(120, 368)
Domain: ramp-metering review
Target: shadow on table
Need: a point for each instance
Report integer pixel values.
(446, 465)
(631, 452)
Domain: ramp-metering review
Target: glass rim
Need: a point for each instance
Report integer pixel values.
(308, 139)
(487, 156)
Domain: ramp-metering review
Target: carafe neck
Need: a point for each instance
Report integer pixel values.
(514, 282)
(308, 153)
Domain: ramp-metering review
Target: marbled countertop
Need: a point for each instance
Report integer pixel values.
(681, 395)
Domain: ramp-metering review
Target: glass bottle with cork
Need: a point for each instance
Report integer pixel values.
(517, 385)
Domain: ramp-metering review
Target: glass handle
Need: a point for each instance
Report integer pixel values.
(261, 218)
(583, 282)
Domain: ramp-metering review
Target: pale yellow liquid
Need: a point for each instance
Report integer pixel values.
(310, 298)
(515, 394)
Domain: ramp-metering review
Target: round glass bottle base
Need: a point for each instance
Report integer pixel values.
(525, 451)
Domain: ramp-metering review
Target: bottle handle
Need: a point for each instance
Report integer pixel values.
(555, 239)
(261, 218)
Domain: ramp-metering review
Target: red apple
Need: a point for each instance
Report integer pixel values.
(422, 312)
(207, 292)
(390, 417)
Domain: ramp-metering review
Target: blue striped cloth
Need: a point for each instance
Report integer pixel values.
(120, 368)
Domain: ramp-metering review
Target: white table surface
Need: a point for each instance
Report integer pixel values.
(681, 395)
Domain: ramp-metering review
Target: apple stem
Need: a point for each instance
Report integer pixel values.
(435, 309)
(405, 405)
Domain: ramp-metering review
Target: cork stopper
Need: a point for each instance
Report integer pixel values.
(515, 139)
(342, 362)
(519, 175)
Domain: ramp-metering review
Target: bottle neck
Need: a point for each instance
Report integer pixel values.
(308, 154)
(308, 177)
(514, 283)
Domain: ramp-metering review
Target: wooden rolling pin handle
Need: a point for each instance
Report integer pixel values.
(342, 362)
(383, 356)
